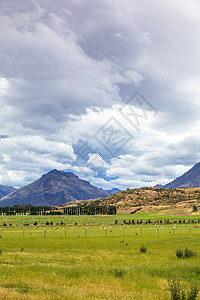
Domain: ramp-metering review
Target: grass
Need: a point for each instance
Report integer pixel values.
(96, 265)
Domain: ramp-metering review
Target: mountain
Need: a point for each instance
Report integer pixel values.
(53, 188)
(159, 186)
(189, 179)
(5, 190)
(112, 191)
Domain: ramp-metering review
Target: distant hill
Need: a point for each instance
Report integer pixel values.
(189, 179)
(112, 191)
(5, 190)
(159, 186)
(53, 188)
(151, 198)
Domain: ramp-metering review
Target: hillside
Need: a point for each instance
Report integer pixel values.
(5, 190)
(151, 198)
(53, 188)
(189, 179)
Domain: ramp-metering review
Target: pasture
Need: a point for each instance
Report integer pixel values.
(93, 257)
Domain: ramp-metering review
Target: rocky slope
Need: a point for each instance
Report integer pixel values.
(53, 188)
(189, 179)
(5, 190)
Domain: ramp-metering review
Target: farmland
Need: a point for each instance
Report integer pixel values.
(95, 257)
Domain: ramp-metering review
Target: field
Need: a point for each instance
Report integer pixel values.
(93, 257)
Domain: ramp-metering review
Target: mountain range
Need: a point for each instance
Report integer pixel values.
(53, 188)
(59, 187)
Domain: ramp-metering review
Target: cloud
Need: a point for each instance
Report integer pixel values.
(68, 66)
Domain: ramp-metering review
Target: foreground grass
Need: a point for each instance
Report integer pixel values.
(93, 267)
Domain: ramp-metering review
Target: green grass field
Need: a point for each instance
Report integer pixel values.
(95, 259)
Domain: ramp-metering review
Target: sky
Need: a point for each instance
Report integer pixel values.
(108, 90)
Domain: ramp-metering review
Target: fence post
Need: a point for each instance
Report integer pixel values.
(45, 234)
(65, 231)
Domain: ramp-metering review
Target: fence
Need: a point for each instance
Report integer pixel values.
(94, 231)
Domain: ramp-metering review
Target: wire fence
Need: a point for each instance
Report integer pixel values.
(95, 231)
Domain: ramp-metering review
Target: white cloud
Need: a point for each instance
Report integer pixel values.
(66, 67)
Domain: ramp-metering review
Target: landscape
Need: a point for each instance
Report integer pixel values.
(138, 250)
(99, 150)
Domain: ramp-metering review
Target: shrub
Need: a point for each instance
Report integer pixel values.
(186, 253)
(35, 223)
(179, 291)
(4, 224)
(179, 253)
(194, 290)
(195, 208)
(119, 273)
(190, 253)
(143, 249)
(51, 223)
(47, 223)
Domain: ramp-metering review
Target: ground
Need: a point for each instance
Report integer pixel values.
(95, 259)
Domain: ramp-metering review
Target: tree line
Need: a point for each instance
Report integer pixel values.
(49, 210)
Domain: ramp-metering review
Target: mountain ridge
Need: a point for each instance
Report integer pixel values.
(5, 190)
(189, 179)
(53, 188)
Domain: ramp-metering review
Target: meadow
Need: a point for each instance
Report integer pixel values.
(93, 257)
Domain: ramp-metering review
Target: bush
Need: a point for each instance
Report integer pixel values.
(35, 223)
(47, 223)
(51, 223)
(143, 249)
(179, 253)
(179, 291)
(190, 253)
(119, 273)
(186, 253)
(195, 208)
(4, 224)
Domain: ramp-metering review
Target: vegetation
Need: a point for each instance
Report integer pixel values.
(143, 249)
(84, 209)
(133, 200)
(185, 253)
(180, 291)
(97, 258)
